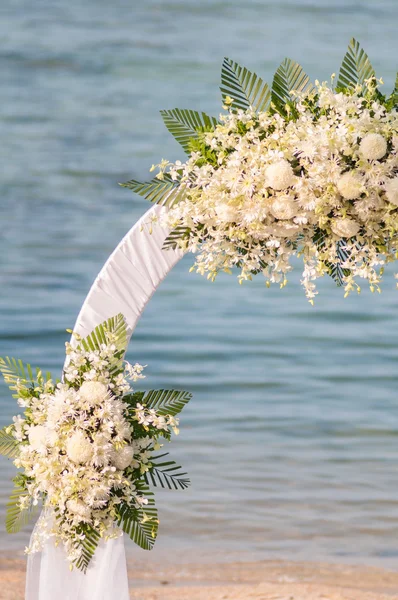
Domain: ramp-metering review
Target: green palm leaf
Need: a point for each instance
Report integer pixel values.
(117, 328)
(394, 95)
(88, 546)
(15, 517)
(185, 124)
(244, 87)
(14, 371)
(289, 77)
(356, 67)
(141, 525)
(167, 474)
(179, 233)
(166, 193)
(335, 270)
(9, 446)
(165, 402)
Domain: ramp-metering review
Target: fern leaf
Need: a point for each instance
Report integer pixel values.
(164, 193)
(116, 327)
(179, 233)
(185, 124)
(289, 77)
(244, 87)
(141, 525)
(15, 517)
(166, 474)
(356, 67)
(9, 446)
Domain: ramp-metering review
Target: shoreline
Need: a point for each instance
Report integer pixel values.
(262, 580)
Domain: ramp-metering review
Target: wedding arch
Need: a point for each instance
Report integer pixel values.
(295, 169)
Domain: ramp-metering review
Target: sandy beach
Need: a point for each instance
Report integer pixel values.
(266, 580)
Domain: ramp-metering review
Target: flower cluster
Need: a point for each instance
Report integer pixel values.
(84, 446)
(316, 178)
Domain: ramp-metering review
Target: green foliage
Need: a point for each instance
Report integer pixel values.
(185, 124)
(288, 78)
(164, 193)
(335, 270)
(356, 67)
(179, 233)
(165, 402)
(16, 518)
(116, 328)
(394, 95)
(9, 446)
(88, 546)
(15, 371)
(140, 524)
(207, 155)
(244, 87)
(167, 474)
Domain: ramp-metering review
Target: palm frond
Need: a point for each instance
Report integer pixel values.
(15, 517)
(14, 370)
(166, 474)
(356, 67)
(394, 95)
(166, 402)
(88, 546)
(9, 446)
(141, 524)
(185, 124)
(114, 328)
(244, 87)
(165, 193)
(289, 77)
(335, 270)
(179, 233)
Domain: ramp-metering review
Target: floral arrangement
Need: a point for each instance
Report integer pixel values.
(293, 170)
(86, 447)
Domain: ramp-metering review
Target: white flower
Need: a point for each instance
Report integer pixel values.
(78, 448)
(373, 146)
(226, 213)
(284, 208)
(280, 175)
(123, 458)
(38, 437)
(391, 187)
(77, 507)
(350, 185)
(345, 228)
(93, 392)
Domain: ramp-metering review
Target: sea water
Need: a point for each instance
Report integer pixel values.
(291, 440)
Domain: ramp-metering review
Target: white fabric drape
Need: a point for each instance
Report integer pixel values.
(125, 284)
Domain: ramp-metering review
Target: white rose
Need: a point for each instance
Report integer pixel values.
(345, 228)
(350, 185)
(284, 208)
(38, 437)
(123, 458)
(226, 213)
(93, 392)
(77, 507)
(79, 448)
(373, 146)
(391, 187)
(280, 175)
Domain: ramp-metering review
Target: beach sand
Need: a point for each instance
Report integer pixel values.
(266, 580)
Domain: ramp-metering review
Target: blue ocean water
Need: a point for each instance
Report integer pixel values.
(291, 440)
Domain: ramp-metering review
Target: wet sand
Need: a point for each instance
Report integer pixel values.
(265, 580)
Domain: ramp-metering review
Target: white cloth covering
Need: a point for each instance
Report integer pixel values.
(125, 284)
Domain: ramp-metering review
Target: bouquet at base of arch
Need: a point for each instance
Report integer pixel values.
(291, 169)
(86, 447)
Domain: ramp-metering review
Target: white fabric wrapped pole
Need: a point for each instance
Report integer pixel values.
(125, 284)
